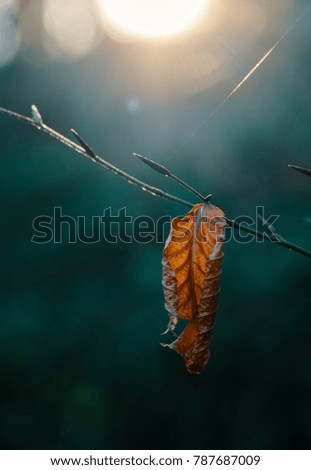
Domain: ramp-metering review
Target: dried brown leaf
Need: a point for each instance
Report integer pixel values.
(191, 274)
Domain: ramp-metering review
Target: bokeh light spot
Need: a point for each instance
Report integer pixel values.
(70, 28)
(152, 18)
(133, 105)
(9, 34)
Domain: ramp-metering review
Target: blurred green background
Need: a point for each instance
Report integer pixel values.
(81, 365)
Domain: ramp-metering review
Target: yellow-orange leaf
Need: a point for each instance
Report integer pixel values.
(191, 274)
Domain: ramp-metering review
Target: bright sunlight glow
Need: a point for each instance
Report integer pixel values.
(151, 18)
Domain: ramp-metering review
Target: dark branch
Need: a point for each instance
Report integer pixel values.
(305, 171)
(84, 149)
(87, 152)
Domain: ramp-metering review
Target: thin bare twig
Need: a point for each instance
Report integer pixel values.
(84, 149)
(305, 171)
(164, 171)
(90, 154)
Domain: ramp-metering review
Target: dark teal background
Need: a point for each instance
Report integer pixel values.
(81, 365)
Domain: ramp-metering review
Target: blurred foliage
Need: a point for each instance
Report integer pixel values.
(81, 365)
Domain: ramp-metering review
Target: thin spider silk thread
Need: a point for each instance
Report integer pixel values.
(247, 76)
